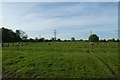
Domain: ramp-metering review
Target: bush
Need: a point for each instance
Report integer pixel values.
(93, 38)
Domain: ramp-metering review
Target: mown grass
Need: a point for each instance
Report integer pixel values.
(60, 59)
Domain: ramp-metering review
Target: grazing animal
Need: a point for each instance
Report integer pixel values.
(18, 43)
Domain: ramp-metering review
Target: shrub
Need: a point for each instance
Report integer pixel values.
(93, 38)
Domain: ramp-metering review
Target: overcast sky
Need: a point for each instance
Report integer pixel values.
(69, 19)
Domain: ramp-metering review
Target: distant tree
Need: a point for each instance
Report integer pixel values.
(46, 40)
(22, 34)
(25, 37)
(104, 40)
(93, 38)
(72, 39)
(81, 39)
(42, 39)
(109, 40)
(58, 39)
(85, 40)
(68, 40)
(36, 39)
(9, 36)
(31, 40)
(53, 39)
(65, 40)
(18, 38)
(18, 33)
(117, 40)
(113, 40)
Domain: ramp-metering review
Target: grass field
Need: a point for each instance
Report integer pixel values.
(61, 59)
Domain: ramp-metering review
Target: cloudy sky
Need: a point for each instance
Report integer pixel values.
(69, 19)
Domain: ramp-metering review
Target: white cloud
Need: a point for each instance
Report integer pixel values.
(33, 18)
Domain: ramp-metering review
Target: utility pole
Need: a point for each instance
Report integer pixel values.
(55, 34)
(91, 32)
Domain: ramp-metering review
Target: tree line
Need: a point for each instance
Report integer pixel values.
(8, 35)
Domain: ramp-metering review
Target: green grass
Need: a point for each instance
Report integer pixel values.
(60, 59)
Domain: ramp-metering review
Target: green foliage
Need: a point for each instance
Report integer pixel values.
(9, 36)
(42, 39)
(22, 34)
(93, 38)
(58, 39)
(72, 39)
(113, 40)
(52, 39)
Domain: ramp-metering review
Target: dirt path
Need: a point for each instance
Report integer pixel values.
(114, 74)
